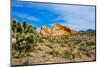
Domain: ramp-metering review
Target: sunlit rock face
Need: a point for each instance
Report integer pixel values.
(57, 30)
(45, 31)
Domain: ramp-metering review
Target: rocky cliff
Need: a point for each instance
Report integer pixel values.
(56, 30)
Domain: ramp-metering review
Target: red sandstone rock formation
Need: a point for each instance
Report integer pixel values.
(57, 30)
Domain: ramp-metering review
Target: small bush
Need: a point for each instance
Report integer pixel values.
(40, 49)
(90, 43)
(68, 54)
(49, 45)
(54, 52)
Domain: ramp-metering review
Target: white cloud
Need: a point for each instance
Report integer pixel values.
(78, 25)
(76, 17)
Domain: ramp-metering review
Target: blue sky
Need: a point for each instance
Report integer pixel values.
(39, 14)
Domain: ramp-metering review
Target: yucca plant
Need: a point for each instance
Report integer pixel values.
(14, 25)
(26, 38)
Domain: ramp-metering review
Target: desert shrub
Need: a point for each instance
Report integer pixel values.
(91, 33)
(23, 46)
(58, 39)
(62, 45)
(76, 54)
(49, 45)
(53, 52)
(27, 62)
(39, 39)
(26, 38)
(40, 49)
(87, 33)
(85, 49)
(77, 41)
(44, 56)
(65, 39)
(50, 40)
(90, 43)
(82, 47)
(68, 54)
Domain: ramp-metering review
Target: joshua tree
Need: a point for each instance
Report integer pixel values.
(19, 28)
(14, 25)
(25, 26)
(32, 29)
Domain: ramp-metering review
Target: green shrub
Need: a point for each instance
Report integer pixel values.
(26, 38)
(53, 52)
(68, 54)
(90, 43)
(49, 45)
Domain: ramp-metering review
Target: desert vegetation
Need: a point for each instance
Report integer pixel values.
(29, 47)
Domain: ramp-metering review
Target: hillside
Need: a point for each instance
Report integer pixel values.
(56, 45)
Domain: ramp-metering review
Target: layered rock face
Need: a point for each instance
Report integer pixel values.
(57, 30)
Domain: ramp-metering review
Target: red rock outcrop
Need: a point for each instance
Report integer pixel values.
(57, 30)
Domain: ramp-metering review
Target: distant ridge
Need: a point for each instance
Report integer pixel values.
(88, 30)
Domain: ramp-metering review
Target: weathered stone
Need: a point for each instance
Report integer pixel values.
(57, 30)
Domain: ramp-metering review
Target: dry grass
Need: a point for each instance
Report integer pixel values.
(58, 49)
